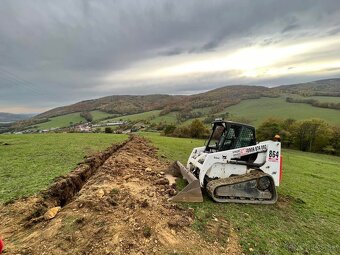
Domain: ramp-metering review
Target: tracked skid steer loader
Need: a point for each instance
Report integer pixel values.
(232, 167)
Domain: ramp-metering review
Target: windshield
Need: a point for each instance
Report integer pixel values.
(215, 138)
(230, 137)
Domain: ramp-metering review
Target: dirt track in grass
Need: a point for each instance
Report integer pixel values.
(116, 202)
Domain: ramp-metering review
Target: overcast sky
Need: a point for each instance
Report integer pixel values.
(56, 52)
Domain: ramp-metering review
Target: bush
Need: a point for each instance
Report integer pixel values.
(183, 132)
(311, 135)
(169, 129)
(268, 129)
(87, 116)
(195, 130)
(108, 130)
(198, 130)
(329, 150)
(335, 139)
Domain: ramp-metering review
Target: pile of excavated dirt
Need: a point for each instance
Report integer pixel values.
(114, 203)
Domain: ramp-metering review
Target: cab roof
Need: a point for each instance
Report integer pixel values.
(232, 123)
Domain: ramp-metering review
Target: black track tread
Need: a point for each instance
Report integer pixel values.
(255, 174)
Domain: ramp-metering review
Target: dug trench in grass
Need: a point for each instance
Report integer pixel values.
(61, 192)
(122, 209)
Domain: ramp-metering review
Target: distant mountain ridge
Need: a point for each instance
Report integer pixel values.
(327, 87)
(126, 104)
(11, 117)
(115, 104)
(216, 99)
(219, 97)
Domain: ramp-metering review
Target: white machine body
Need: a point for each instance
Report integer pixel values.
(223, 164)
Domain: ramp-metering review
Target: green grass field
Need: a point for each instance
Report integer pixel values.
(136, 117)
(98, 115)
(61, 121)
(306, 220)
(151, 116)
(322, 99)
(30, 162)
(257, 110)
(169, 118)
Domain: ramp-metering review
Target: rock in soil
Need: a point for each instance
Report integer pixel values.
(162, 181)
(51, 213)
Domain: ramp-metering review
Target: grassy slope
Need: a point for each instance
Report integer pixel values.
(323, 99)
(255, 110)
(30, 162)
(137, 117)
(258, 110)
(306, 219)
(152, 116)
(61, 121)
(97, 115)
(169, 118)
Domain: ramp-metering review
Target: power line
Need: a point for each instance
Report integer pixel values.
(13, 78)
(16, 84)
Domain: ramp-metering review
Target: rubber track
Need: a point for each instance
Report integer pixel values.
(213, 184)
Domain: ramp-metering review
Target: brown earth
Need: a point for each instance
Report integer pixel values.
(114, 203)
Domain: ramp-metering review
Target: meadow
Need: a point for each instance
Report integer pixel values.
(72, 118)
(29, 163)
(322, 99)
(257, 110)
(98, 115)
(254, 110)
(306, 218)
(61, 121)
(151, 116)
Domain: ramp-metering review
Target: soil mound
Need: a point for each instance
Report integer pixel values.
(114, 203)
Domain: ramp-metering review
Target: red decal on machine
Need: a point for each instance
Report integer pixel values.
(243, 152)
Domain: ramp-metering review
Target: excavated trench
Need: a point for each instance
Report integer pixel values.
(61, 192)
(115, 202)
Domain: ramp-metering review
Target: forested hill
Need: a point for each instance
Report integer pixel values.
(198, 105)
(220, 97)
(328, 87)
(116, 104)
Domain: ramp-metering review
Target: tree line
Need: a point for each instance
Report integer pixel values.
(314, 103)
(313, 135)
(87, 116)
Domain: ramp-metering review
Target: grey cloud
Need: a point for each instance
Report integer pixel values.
(290, 27)
(65, 47)
(334, 31)
(182, 85)
(270, 41)
(172, 52)
(333, 69)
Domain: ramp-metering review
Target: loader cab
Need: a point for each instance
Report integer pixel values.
(227, 135)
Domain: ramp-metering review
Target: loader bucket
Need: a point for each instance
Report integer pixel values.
(192, 192)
